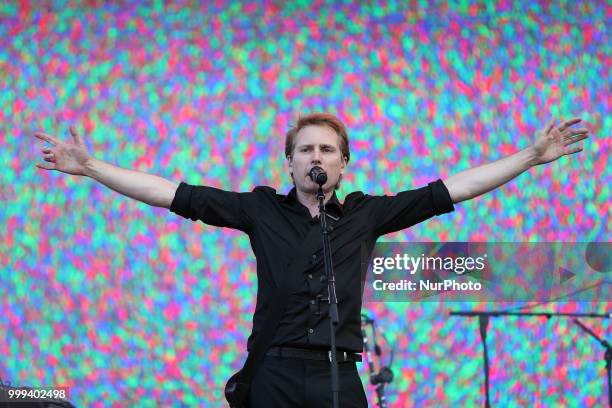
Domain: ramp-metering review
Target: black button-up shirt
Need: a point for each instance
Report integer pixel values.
(277, 225)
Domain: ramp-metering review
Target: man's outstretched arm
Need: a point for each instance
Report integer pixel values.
(552, 143)
(73, 158)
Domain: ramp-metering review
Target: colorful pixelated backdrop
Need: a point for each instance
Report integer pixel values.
(130, 305)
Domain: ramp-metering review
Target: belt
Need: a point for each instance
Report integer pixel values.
(310, 354)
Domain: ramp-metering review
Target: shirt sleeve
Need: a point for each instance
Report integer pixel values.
(214, 206)
(407, 208)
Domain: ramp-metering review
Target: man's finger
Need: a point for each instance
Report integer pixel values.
(573, 139)
(569, 133)
(75, 135)
(551, 124)
(45, 166)
(46, 138)
(572, 150)
(568, 123)
(578, 131)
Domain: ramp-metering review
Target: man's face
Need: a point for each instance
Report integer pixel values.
(316, 146)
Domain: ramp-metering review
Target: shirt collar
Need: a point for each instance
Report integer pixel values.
(333, 205)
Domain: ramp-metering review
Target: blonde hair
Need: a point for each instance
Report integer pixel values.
(322, 119)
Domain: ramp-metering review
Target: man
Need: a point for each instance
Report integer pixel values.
(295, 371)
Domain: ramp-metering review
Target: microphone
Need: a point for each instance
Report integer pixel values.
(318, 175)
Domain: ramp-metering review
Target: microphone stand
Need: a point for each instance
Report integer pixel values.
(483, 325)
(483, 319)
(385, 374)
(607, 356)
(332, 299)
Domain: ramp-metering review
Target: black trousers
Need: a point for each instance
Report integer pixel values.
(282, 382)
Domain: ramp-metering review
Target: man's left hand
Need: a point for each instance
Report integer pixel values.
(554, 141)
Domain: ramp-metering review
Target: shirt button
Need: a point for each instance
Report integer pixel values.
(310, 331)
(313, 258)
(310, 276)
(312, 301)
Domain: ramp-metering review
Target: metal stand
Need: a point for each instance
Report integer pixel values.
(332, 299)
(385, 374)
(484, 316)
(607, 356)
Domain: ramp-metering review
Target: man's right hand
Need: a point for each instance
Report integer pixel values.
(73, 158)
(67, 157)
